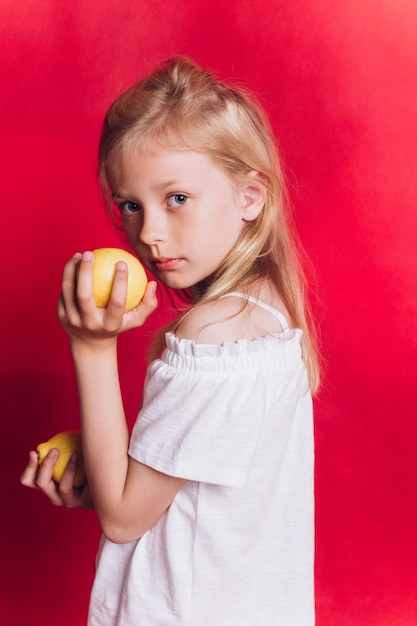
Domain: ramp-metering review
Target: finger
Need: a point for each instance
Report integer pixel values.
(80, 498)
(84, 287)
(40, 477)
(67, 304)
(148, 304)
(115, 316)
(150, 300)
(69, 495)
(28, 478)
(44, 481)
(60, 309)
(116, 306)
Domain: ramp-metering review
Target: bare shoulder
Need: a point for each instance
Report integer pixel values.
(228, 319)
(213, 322)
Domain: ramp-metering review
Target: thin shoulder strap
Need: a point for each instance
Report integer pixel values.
(279, 316)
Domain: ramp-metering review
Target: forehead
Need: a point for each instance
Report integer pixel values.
(159, 166)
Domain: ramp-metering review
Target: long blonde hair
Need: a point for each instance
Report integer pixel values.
(180, 105)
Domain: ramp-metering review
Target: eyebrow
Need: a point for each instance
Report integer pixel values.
(156, 187)
(169, 183)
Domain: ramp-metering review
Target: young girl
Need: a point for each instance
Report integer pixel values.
(207, 507)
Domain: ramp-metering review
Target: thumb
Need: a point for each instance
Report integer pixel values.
(148, 304)
(150, 299)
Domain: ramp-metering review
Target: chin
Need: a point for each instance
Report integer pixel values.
(174, 283)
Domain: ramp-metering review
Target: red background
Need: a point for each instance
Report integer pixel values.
(339, 81)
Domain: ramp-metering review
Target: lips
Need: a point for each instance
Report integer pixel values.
(165, 264)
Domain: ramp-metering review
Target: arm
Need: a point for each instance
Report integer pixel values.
(128, 496)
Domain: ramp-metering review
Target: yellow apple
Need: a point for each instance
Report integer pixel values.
(105, 261)
(66, 442)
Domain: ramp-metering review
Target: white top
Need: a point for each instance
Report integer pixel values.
(236, 546)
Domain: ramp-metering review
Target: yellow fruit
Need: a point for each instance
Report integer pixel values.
(105, 261)
(66, 442)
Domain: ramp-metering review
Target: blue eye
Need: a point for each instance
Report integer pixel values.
(129, 207)
(177, 199)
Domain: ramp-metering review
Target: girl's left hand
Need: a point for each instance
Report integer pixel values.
(77, 310)
(64, 494)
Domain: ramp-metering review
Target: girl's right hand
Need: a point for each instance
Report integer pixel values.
(77, 310)
(39, 477)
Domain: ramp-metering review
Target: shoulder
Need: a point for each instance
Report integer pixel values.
(213, 322)
(224, 320)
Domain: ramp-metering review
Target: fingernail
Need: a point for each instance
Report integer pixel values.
(77, 255)
(121, 265)
(87, 256)
(53, 453)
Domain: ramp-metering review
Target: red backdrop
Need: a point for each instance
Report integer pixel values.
(339, 81)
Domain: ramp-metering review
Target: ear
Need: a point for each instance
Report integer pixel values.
(252, 194)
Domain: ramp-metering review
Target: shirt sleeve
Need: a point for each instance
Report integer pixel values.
(199, 425)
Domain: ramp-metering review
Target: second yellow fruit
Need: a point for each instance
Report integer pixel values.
(67, 442)
(105, 261)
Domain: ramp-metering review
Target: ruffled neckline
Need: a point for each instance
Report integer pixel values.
(243, 346)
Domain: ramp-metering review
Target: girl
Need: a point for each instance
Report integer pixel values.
(207, 507)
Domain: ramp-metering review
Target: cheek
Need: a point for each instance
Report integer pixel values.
(131, 227)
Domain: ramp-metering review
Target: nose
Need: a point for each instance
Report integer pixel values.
(153, 227)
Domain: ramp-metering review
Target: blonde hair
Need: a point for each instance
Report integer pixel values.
(180, 105)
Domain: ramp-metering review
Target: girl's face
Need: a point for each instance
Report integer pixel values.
(181, 213)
